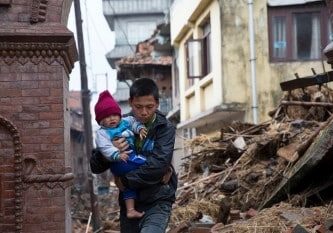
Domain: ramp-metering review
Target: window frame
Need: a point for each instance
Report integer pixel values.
(188, 58)
(206, 53)
(288, 12)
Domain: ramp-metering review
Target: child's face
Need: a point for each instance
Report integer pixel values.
(111, 121)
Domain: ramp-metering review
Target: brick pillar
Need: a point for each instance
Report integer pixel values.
(33, 98)
(37, 53)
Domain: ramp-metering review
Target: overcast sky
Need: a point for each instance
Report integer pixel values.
(98, 40)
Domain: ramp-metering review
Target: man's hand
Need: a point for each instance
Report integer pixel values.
(143, 133)
(167, 176)
(120, 185)
(121, 144)
(124, 155)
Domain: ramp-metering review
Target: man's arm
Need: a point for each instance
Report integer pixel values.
(157, 163)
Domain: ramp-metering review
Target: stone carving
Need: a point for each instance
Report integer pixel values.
(12, 130)
(36, 53)
(45, 176)
(38, 11)
(23, 176)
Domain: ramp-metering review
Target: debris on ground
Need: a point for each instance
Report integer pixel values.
(232, 175)
(108, 208)
(252, 178)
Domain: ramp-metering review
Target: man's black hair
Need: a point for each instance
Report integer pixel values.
(144, 87)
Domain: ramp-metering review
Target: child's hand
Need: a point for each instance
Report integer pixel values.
(143, 133)
(124, 156)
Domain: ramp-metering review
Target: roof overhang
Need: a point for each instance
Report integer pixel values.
(289, 2)
(218, 113)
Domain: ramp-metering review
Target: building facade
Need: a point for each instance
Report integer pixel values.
(213, 59)
(132, 21)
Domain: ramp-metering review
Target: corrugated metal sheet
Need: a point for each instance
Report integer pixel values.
(122, 93)
(289, 2)
(118, 7)
(121, 51)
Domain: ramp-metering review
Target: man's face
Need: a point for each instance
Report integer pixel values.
(143, 107)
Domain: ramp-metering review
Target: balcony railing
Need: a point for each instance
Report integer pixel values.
(165, 104)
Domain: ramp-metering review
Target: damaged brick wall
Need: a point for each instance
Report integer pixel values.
(37, 53)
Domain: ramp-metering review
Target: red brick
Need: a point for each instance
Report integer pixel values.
(10, 92)
(9, 219)
(30, 132)
(51, 115)
(53, 226)
(51, 147)
(20, 2)
(30, 148)
(31, 100)
(52, 84)
(54, 3)
(9, 227)
(29, 77)
(28, 116)
(37, 92)
(8, 194)
(58, 201)
(31, 228)
(36, 108)
(8, 76)
(57, 92)
(51, 100)
(59, 218)
(57, 108)
(50, 131)
(28, 85)
(7, 169)
(56, 123)
(9, 108)
(36, 124)
(10, 85)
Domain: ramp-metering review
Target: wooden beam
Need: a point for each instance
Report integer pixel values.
(301, 103)
(316, 152)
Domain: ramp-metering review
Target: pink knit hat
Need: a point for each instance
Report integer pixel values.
(106, 106)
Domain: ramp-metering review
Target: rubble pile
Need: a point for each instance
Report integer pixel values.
(283, 218)
(108, 209)
(232, 182)
(226, 177)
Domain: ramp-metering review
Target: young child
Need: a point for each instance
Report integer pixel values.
(113, 126)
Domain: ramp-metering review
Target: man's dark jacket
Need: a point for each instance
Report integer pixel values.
(158, 148)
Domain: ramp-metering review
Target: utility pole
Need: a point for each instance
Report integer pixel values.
(85, 96)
